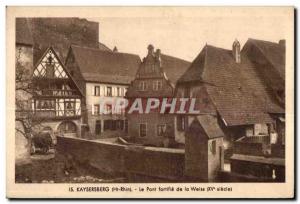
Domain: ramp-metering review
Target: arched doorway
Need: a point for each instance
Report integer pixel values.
(47, 129)
(67, 128)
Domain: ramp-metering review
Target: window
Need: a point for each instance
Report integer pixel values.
(125, 90)
(109, 91)
(120, 124)
(213, 147)
(98, 127)
(181, 123)
(161, 129)
(45, 104)
(97, 91)
(107, 125)
(143, 85)
(108, 108)
(50, 70)
(69, 107)
(260, 129)
(122, 92)
(96, 109)
(143, 130)
(113, 124)
(118, 91)
(153, 68)
(157, 85)
(249, 130)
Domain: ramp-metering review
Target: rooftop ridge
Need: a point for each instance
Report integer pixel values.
(105, 51)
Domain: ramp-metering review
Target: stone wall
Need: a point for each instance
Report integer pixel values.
(130, 161)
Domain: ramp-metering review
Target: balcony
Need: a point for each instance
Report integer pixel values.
(58, 93)
(57, 114)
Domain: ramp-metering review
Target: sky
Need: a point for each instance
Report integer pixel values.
(184, 37)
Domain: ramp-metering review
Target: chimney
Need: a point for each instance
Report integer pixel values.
(236, 51)
(282, 43)
(150, 49)
(115, 49)
(157, 54)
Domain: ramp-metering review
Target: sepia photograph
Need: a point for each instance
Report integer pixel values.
(145, 100)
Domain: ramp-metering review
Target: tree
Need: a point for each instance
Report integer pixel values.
(26, 123)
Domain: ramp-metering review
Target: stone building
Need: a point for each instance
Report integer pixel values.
(155, 78)
(102, 76)
(232, 86)
(204, 155)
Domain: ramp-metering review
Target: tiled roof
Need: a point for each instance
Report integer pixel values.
(274, 52)
(173, 67)
(103, 47)
(210, 125)
(236, 89)
(104, 66)
(258, 159)
(23, 34)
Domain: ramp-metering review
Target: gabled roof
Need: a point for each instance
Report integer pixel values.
(274, 52)
(194, 72)
(208, 124)
(236, 89)
(23, 34)
(104, 66)
(173, 67)
(66, 72)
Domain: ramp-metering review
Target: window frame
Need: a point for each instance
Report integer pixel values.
(109, 88)
(98, 108)
(118, 91)
(140, 125)
(163, 130)
(182, 122)
(213, 147)
(97, 87)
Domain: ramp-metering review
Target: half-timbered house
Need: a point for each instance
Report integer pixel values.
(57, 99)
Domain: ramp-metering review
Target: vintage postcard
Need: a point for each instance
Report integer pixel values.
(150, 102)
